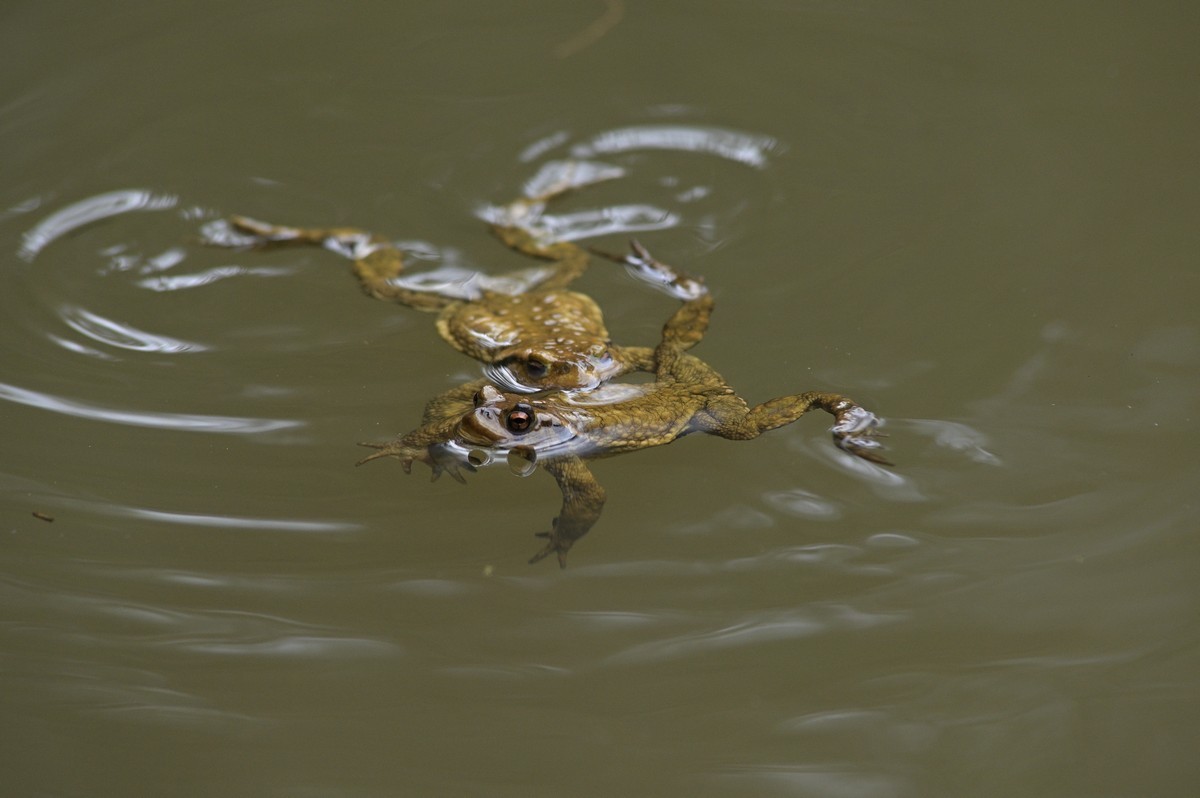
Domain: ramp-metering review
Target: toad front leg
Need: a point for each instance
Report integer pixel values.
(583, 499)
(425, 444)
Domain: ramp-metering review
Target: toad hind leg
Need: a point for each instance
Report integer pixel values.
(376, 261)
(583, 499)
(516, 223)
(854, 429)
(569, 260)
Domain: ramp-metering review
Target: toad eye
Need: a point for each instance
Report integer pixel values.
(519, 419)
(535, 368)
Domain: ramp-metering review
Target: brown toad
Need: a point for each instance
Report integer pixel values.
(477, 423)
(530, 332)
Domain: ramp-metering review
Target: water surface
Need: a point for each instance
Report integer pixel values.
(978, 222)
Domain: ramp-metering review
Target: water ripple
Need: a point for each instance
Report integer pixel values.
(574, 226)
(835, 556)
(236, 522)
(956, 437)
(832, 780)
(213, 521)
(215, 580)
(578, 171)
(803, 504)
(178, 282)
(746, 148)
(293, 646)
(617, 621)
(623, 219)
(87, 211)
(123, 336)
(154, 708)
(761, 627)
(534, 672)
(134, 694)
(434, 588)
(183, 422)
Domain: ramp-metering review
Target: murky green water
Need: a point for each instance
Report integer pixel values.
(981, 223)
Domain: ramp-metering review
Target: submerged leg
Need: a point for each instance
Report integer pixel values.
(854, 427)
(583, 499)
(376, 261)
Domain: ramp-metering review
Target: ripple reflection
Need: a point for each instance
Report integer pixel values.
(739, 147)
(623, 219)
(183, 422)
(136, 695)
(180, 282)
(802, 503)
(236, 522)
(123, 336)
(294, 646)
(87, 211)
(746, 148)
(956, 437)
(830, 781)
(761, 627)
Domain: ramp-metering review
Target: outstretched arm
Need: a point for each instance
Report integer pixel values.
(439, 425)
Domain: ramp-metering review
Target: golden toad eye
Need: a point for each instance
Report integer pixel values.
(535, 368)
(519, 419)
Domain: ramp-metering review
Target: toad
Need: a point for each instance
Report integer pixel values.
(528, 330)
(559, 431)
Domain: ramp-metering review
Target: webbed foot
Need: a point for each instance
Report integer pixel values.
(438, 463)
(648, 269)
(242, 232)
(556, 545)
(264, 233)
(857, 432)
